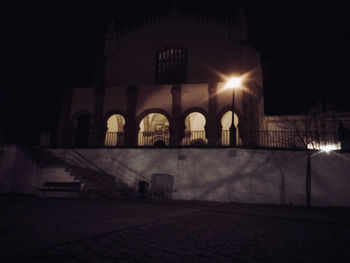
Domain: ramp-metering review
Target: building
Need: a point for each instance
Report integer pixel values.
(163, 82)
(322, 127)
(166, 82)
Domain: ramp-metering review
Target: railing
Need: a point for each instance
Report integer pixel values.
(253, 139)
(194, 138)
(162, 138)
(129, 174)
(114, 139)
(75, 158)
(287, 139)
(154, 138)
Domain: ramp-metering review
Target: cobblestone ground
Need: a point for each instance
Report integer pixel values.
(178, 232)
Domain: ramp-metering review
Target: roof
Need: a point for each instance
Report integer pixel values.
(238, 22)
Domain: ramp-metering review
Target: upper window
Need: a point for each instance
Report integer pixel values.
(171, 65)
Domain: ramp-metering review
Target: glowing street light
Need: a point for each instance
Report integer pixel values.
(233, 83)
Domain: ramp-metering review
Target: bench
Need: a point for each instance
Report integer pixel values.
(73, 187)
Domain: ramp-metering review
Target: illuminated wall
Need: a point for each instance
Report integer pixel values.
(154, 97)
(248, 176)
(115, 99)
(194, 96)
(237, 175)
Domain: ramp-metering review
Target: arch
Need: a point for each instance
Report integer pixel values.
(194, 109)
(225, 118)
(81, 121)
(153, 110)
(108, 114)
(195, 127)
(114, 135)
(154, 127)
(226, 109)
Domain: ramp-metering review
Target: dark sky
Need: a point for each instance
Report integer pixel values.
(53, 46)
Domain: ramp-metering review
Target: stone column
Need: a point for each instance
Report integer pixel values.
(177, 127)
(64, 131)
(96, 136)
(131, 130)
(212, 128)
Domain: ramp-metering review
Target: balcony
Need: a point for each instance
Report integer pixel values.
(246, 139)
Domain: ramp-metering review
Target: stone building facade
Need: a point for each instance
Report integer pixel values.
(166, 78)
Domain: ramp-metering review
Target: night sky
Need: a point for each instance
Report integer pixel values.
(50, 47)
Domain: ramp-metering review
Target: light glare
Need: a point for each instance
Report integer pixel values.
(234, 82)
(324, 147)
(328, 148)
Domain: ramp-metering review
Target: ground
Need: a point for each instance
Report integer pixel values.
(75, 230)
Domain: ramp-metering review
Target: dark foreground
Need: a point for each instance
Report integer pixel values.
(71, 230)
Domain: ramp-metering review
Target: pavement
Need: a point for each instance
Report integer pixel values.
(77, 230)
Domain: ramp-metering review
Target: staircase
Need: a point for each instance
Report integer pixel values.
(96, 183)
(100, 185)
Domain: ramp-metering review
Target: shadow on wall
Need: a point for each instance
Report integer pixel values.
(82, 130)
(255, 181)
(162, 186)
(19, 171)
(277, 160)
(241, 175)
(330, 179)
(249, 176)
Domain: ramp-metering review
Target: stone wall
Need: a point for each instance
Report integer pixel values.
(226, 175)
(235, 175)
(18, 172)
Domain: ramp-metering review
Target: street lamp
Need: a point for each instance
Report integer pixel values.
(233, 83)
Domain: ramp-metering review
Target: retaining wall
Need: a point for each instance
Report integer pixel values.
(237, 175)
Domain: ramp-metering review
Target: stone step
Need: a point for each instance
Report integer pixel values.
(95, 183)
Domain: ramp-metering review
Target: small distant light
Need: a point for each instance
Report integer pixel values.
(327, 148)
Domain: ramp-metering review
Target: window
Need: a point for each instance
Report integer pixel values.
(171, 65)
